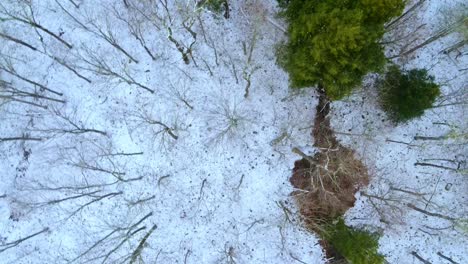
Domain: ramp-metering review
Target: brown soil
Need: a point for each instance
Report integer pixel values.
(328, 180)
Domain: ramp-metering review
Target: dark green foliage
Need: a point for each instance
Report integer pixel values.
(356, 246)
(283, 3)
(406, 94)
(216, 6)
(333, 43)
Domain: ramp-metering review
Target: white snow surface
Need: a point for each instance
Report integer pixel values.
(216, 193)
(220, 199)
(391, 151)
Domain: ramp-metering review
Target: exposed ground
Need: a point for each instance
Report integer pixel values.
(327, 181)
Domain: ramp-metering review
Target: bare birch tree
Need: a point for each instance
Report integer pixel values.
(95, 63)
(26, 16)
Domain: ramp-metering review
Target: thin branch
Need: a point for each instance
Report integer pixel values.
(447, 258)
(424, 164)
(18, 41)
(30, 20)
(21, 240)
(19, 139)
(141, 245)
(416, 255)
(412, 206)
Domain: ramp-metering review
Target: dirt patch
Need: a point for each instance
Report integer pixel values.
(327, 181)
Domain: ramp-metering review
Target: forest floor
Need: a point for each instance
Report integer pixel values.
(143, 141)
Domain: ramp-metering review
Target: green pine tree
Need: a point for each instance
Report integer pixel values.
(406, 94)
(333, 43)
(356, 246)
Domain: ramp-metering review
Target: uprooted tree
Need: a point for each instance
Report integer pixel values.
(325, 186)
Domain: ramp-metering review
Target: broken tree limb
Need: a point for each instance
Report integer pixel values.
(412, 206)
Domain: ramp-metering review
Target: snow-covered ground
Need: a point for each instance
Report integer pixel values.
(392, 151)
(198, 160)
(215, 192)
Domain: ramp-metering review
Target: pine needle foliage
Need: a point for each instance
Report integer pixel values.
(356, 246)
(334, 43)
(406, 94)
(216, 6)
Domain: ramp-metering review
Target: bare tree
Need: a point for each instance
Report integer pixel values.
(148, 10)
(13, 244)
(66, 122)
(410, 11)
(249, 68)
(447, 258)
(180, 92)
(18, 41)
(226, 121)
(9, 92)
(418, 257)
(97, 64)
(27, 16)
(69, 66)
(389, 203)
(249, 45)
(147, 122)
(63, 62)
(177, 19)
(135, 24)
(229, 255)
(185, 50)
(136, 254)
(168, 20)
(115, 241)
(209, 42)
(8, 67)
(91, 173)
(94, 159)
(114, 244)
(438, 215)
(457, 97)
(106, 34)
(459, 168)
(412, 45)
(77, 198)
(20, 138)
(73, 2)
(437, 35)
